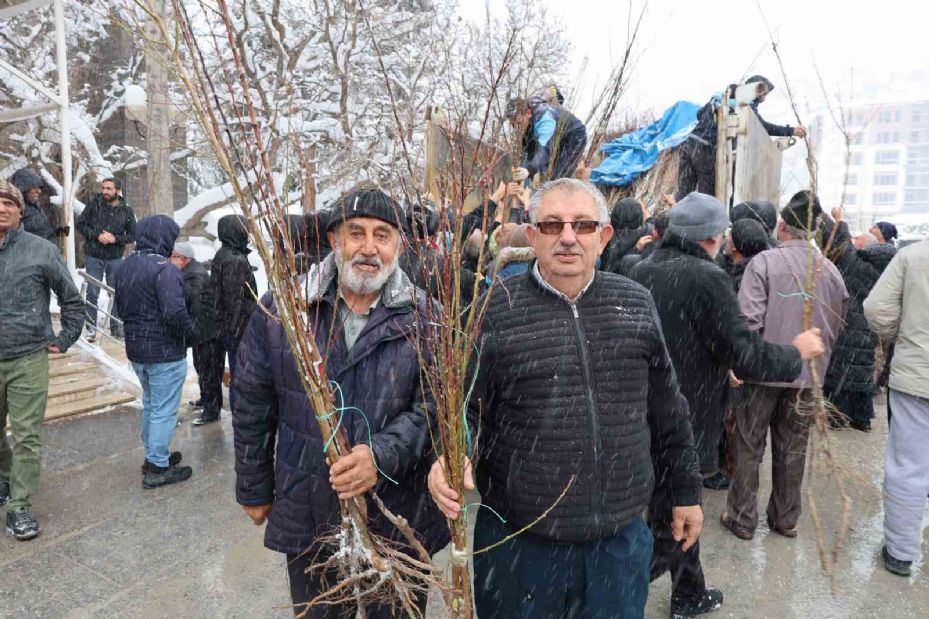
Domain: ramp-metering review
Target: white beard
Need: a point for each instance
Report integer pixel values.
(363, 283)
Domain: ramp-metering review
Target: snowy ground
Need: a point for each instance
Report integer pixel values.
(110, 549)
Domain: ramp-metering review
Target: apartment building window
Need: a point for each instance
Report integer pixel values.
(885, 117)
(857, 140)
(898, 115)
(883, 197)
(887, 156)
(855, 159)
(852, 179)
(917, 116)
(916, 195)
(851, 199)
(885, 178)
(885, 137)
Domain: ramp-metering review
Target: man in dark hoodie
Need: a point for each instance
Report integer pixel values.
(37, 220)
(234, 287)
(150, 299)
(107, 225)
(706, 335)
(697, 167)
(630, 234)
(30, 270)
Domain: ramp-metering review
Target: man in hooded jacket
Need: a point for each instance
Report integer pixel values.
(234, 288)
(706, 335)
(37, 220)
(150, 300)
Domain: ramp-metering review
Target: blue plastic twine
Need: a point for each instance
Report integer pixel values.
(465, 510)
(341, 409)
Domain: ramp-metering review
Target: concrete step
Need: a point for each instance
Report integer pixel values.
(84, 405)
(70, 391)
(64, 369)
(63, 358)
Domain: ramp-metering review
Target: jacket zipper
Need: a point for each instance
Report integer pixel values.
(591, 412)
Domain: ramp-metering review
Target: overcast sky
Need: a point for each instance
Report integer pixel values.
(692, 48)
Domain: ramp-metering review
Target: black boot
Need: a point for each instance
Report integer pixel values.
(708, 602)
(21, 524)
(894, 565)
(156, 476)
(4, 491)
(173, 460)
(716, 482)
(206, 418)
(195, 403)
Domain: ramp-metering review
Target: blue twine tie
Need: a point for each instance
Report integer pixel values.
(341, 409)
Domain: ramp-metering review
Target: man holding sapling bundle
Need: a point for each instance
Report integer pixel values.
(363, 310)
(579, 410)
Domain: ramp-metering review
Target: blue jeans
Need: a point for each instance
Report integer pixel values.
(529, 578)
(161, 397)
(98, 268)
(231, 346)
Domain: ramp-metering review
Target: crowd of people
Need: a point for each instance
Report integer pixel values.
(631, 359)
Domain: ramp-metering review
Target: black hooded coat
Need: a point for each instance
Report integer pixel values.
(851, 367)
(232, 279)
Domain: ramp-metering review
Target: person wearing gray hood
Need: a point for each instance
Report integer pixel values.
(30, 270)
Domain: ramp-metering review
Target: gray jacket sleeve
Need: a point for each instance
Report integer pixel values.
(69, 300)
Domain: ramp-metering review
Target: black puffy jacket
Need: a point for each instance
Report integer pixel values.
(150, 295)
(583, 390)
(707, 336)
(232, 278)
(851, 367)
(279, 449)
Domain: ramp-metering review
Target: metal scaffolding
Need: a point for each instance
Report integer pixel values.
(58, 102)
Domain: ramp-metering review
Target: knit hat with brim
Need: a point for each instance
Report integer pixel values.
(698, 217)
(9, 191)
(797, 212)
(365, 202)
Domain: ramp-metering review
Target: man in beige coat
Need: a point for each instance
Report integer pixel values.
(896, 309)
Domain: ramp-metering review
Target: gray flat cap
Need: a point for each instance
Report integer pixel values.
(698, 217)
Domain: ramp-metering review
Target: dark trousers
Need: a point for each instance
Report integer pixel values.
(305, 587)
(209, 363)
(530, 578)
(764, 407)
(696, 169)
(687, 581)
(230, 346)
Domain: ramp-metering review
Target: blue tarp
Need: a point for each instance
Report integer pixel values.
(631, 155)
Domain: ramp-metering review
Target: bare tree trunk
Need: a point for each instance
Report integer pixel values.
(160, 194)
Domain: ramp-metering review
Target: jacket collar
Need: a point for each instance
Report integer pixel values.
(321, 284)
(536, 276)
(691, 248)
(11, 236)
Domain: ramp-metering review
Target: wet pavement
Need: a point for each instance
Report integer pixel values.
(110, 549)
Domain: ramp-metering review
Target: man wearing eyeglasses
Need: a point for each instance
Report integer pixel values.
(574, 405)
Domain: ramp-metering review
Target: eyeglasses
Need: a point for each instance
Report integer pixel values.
(551, 228)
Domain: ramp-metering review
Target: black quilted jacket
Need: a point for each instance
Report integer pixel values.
(583, 390)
